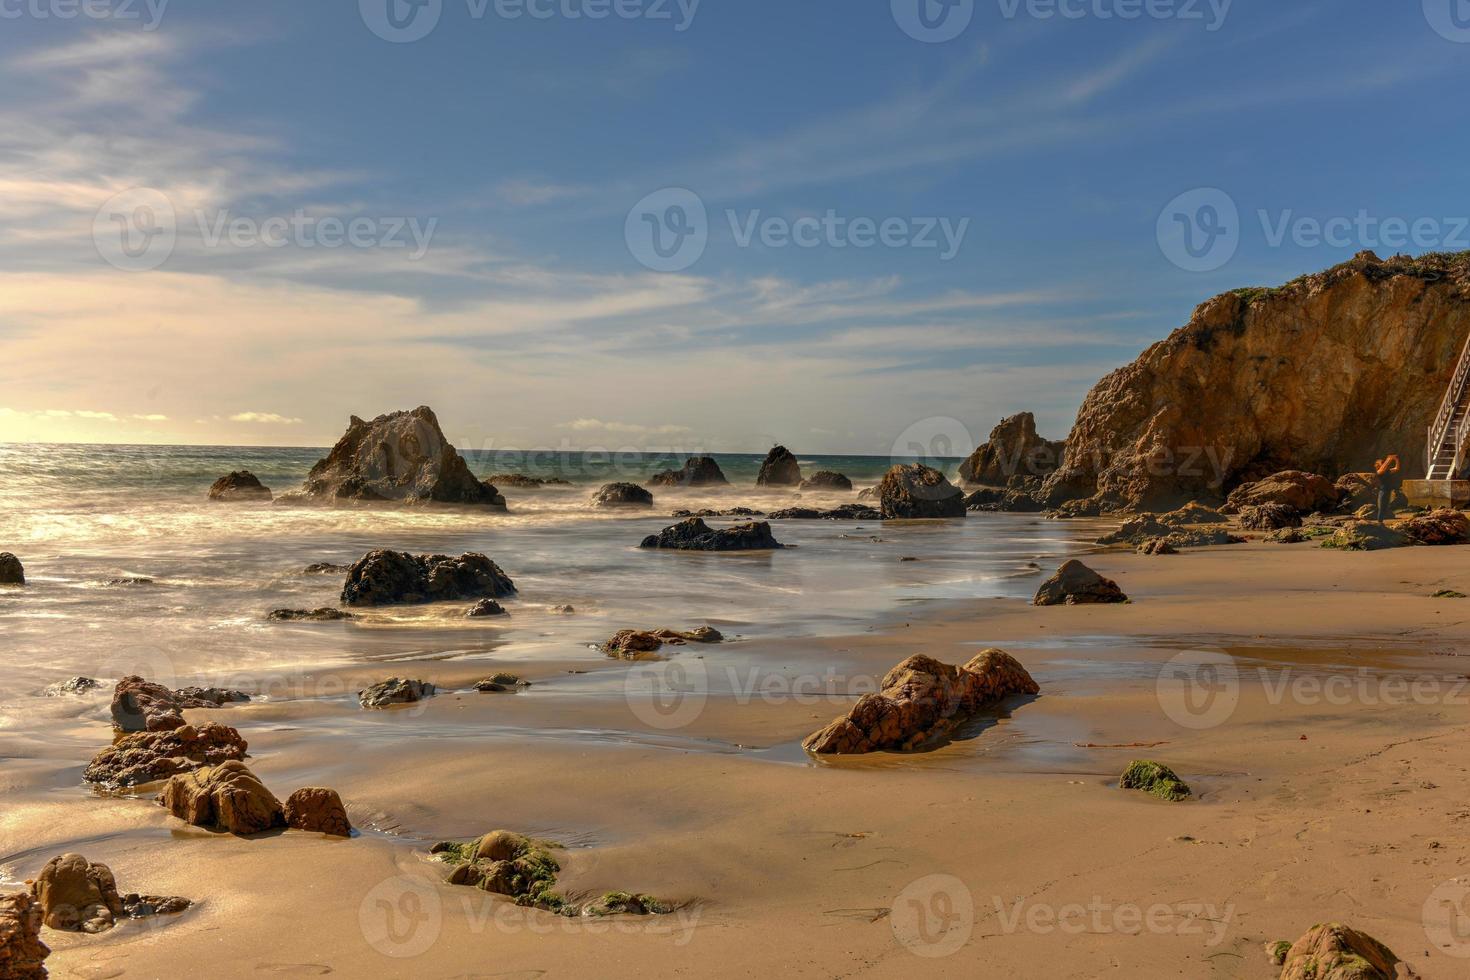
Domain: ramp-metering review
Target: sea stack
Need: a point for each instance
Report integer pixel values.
(779, 470)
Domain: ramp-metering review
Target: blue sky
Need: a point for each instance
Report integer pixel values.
(492, 166)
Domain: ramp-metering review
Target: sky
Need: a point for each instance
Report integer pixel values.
(852, 226)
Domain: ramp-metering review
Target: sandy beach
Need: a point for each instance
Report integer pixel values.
(1315, 800)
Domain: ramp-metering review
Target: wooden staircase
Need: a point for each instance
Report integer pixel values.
(1449, 436)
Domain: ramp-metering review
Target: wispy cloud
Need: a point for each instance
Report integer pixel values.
(264, 418)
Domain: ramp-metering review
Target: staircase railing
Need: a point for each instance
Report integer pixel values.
(1446, 415)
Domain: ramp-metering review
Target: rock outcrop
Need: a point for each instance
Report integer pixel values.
(698, 471)
(12, 572)
(1014, 449)
(72, 685)
(1324, 374)
(826, 480)
(642, 644)
(1075, 584)
(143, 706)
(1156, 780)
(240, 485)
(227, 797)
(1336, 952)
(76, 895)
(780, 469)
(318, 810)
(921, 702)
(916, 491)
(1438, 527)
(1305, 493)
(622, 495)
(395, 690)
(393, 577)
(847, 512)
(693, 534)
(1269, 517)
(146, 757)
(1365, 536)
(402, 457)
(521, 481)
(326, 614)
(484, 609)
(22, 954)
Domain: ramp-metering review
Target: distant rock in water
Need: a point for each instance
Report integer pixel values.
(324, 615)
(826, 480)
(693, 534)
(914, 490)
(1076, 584)
(11, 570)
(388, 577)
(523, 482)
(485, 608)
(622, 495)
(240, 485)
(402, 457)
(74, 685)
(847, 512)
(732, 512)
(1324, 375)
(780, 469)
(698, 471)
(395, 690)
(325, 568)
(640, 644)
(1014, 449)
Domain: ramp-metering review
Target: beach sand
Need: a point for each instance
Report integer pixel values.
(1007, 853)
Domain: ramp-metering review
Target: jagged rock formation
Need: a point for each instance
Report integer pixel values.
(780, 469)
(1014, 449)
(693, 534)
(139, 705)
(1336, 952)
(698, 471)
(914, 490)
(240, 485)
(402, 456)
(1325, 374)
(145, 757)
(388, 577)
(622, 495)
(228, 796)
(395, 690)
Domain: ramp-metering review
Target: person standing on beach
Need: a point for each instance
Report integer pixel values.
(1389, 483)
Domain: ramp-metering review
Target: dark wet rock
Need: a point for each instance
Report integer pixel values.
(1089, 507)
(395, 690)
(22, 954)
(1269, 517)
(732, 512)
(240, 485)
(847, 512)
(129, 581)
(324, 615)
(565, 609)
(868, 493)
(1437, 527)
(76, 895)
(1365, 536)
(780, 469)
(1156, 780)
(319, 810)
(623, 903)
(1203, 537)
(505, 863)
(399, 457)
(76, 685)
(1158, 546)
(1191, 514)
(326, 568)
(1075, 584)
(1449, 594)
(693, 534)
(1014, 449)
(1301, 491)
(521, 481)
(622, 495)
(826, 480)
(500, 683)
(986, 499)
(1287, 535)
(485, 608)
(639, 644)
(1146, 527)
(1334, 951)
(12, 572)
(698, 471)
(227, 797)
(389, 577)
(146, 757)
(921, 702)
(916, 491)
(139, 705)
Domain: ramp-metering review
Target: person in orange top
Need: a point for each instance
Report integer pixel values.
(1389, 483)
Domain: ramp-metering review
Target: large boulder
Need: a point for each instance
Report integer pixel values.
(12, 572)
(1014, 449)
(921, 702)
(622, 495)
(240, 485)
(318, 810)
(1324, 374)
(388, 577)
(76, 895)
(693, 534)
(913, 490)
(145, 757)
(1336, 952)
(1075, 584)
(1305, 493)
(402, 456)
(227, 797)
(22, 954)
(698, 471)
(139, 705)
(780, 469)
(826, 480)
(1437, 527)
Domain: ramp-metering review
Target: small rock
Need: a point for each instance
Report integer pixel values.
(323, 615)
(325, 568)
(694, 534)
(698, 471)
(1155, 779)
(395, 690)
(318, 810)
(391, 577)
(498, 683)
(826, 480)
(622, 495)
(76, 685)
(1269, 517)
(847, 512)
(240, 485)
(485, 607)
(564, 610)
(1158, 546)
(11, 570)
(129, 581)
(1076, 584)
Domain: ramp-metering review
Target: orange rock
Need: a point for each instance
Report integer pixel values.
(320, 810)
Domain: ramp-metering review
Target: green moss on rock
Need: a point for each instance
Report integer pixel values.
(1156, 780)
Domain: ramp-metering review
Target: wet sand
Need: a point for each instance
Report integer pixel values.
(1008, 853)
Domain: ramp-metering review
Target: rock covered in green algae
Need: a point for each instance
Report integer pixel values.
(1336, 952)
(1155, 779)
(1365, 536)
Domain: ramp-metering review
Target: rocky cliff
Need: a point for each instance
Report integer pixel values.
(1326, 373)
